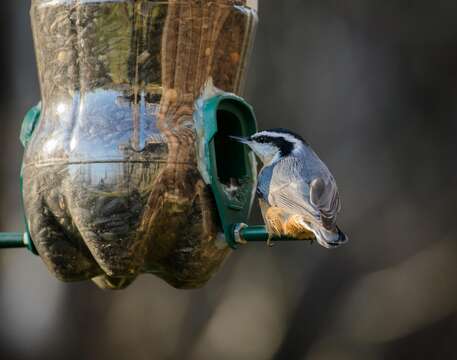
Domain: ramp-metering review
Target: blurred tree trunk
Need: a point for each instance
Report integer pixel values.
(5, 85)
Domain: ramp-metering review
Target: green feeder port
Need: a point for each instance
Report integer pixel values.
(230, 167)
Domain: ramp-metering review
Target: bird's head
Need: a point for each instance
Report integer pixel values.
(274, 144)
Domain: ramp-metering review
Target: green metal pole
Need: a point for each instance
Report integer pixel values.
(260, 233)
(254, 233)
(12, 240)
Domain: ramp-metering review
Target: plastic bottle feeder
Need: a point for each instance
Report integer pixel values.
(128, 168)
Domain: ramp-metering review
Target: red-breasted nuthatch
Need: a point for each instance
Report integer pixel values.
(298, 194)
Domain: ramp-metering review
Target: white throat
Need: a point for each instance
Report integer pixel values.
(271, 159)
(267, 153)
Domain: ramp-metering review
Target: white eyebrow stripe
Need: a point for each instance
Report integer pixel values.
(285, 136)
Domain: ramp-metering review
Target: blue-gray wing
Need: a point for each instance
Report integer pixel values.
(305, 188)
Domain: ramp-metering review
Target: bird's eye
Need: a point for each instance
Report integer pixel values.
(262, 139)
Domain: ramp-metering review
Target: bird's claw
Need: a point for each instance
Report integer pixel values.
(270, 242)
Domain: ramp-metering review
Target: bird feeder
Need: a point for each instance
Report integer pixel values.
(128, 167)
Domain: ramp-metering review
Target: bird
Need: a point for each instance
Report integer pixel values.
(298, 194)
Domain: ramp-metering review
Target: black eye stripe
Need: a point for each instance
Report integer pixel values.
(263, 139)
(284, 146)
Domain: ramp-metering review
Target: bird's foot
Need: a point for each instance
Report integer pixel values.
(273, 220)
(270, 242)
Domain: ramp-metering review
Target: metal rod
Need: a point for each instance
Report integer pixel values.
(12, 240)
(260, 233)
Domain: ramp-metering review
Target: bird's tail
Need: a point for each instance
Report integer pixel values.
(330, 239)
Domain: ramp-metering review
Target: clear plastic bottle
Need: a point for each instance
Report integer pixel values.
(112, 187)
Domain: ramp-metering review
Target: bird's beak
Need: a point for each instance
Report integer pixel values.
(239, 139)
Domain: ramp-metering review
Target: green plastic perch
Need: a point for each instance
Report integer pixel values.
(244, 234)
(16, 241)
(12, 240)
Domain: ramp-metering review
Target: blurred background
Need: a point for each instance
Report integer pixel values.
(372, 86)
